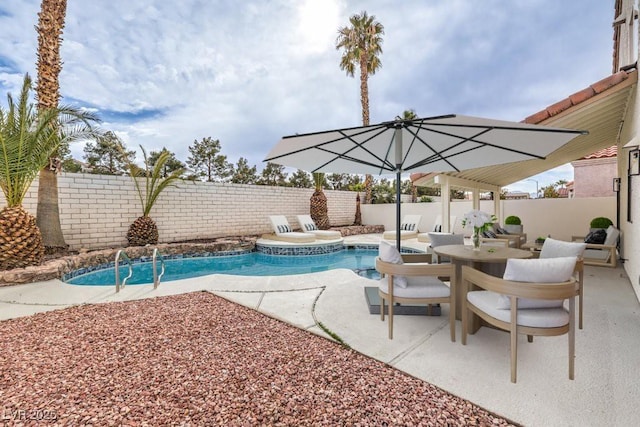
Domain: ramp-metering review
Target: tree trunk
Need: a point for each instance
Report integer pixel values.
(364, 100)
(358, 218)
(50, 25)
(48, 213)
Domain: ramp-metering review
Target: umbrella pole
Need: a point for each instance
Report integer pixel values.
(398, 209)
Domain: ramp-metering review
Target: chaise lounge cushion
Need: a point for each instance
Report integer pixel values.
(309, 226)
(284, 233)
(408, 228)
(543, 270)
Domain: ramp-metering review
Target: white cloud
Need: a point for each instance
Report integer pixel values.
(247, 73)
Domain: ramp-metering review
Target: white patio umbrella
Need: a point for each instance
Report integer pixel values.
(432, 144)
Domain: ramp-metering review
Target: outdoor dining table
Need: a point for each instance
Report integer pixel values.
(490, 259)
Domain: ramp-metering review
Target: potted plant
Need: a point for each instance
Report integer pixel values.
(600, 223)
(513, 224)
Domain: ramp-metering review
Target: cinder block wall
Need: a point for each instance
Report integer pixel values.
(96, 210)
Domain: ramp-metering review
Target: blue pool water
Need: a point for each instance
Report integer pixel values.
(248, 264)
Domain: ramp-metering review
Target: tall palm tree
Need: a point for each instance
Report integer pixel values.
(318, 208)
(50, 25)
(362, 45)
(27, 141)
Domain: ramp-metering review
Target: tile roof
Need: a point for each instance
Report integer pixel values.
(578, 97)
(606, 101)
(603, 154)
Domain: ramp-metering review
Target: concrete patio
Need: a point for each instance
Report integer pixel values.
(604, 392)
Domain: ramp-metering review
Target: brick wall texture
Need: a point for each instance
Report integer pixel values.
(96, 210)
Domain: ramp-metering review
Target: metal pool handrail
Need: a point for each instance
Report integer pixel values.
(156, 277)
(124, 256)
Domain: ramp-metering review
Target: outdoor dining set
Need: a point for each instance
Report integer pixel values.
(523, 291)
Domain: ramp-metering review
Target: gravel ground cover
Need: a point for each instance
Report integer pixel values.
(197, 359)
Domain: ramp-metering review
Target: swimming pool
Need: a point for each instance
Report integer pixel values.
(361, 261)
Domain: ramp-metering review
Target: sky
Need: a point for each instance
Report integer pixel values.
(164, 74)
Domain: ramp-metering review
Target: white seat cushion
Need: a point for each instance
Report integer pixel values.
(598, 254)
(418, 287)
(487, 301)
(391, 234)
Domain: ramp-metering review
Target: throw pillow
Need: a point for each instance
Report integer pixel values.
(543, 270)
(596, 237)
(500, 230)
(553, 248)
(389, 253)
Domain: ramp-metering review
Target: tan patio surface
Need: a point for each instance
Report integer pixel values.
(606, 386)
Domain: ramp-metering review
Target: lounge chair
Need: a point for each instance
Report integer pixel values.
(408, 228)
(309, 226)
(601, 254)
(437, 228)
(284, 233)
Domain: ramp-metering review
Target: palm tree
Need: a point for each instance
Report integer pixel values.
(27, 141)
(144, 231)
(362, 44)
(50, 25)
(318, 204)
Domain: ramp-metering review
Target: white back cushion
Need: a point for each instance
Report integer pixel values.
(553, 248)
(412, 219)
(441, 239)
(612, 236)
(389, 253)
(543, 270)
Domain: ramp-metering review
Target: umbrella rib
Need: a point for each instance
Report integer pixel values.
(443, 156)
(344, 155)
(319, 145)
(539, 128)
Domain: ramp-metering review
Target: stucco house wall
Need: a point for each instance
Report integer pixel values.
(594, 177)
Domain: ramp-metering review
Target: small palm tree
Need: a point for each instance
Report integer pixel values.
(144, 231)
(27, 140)
(318, 204)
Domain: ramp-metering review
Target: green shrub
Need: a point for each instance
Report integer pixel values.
(601, 222)
(512, 220)
(425, 199)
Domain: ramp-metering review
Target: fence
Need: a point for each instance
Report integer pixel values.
(96, 210)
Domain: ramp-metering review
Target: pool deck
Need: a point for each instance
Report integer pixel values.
(606, 386)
